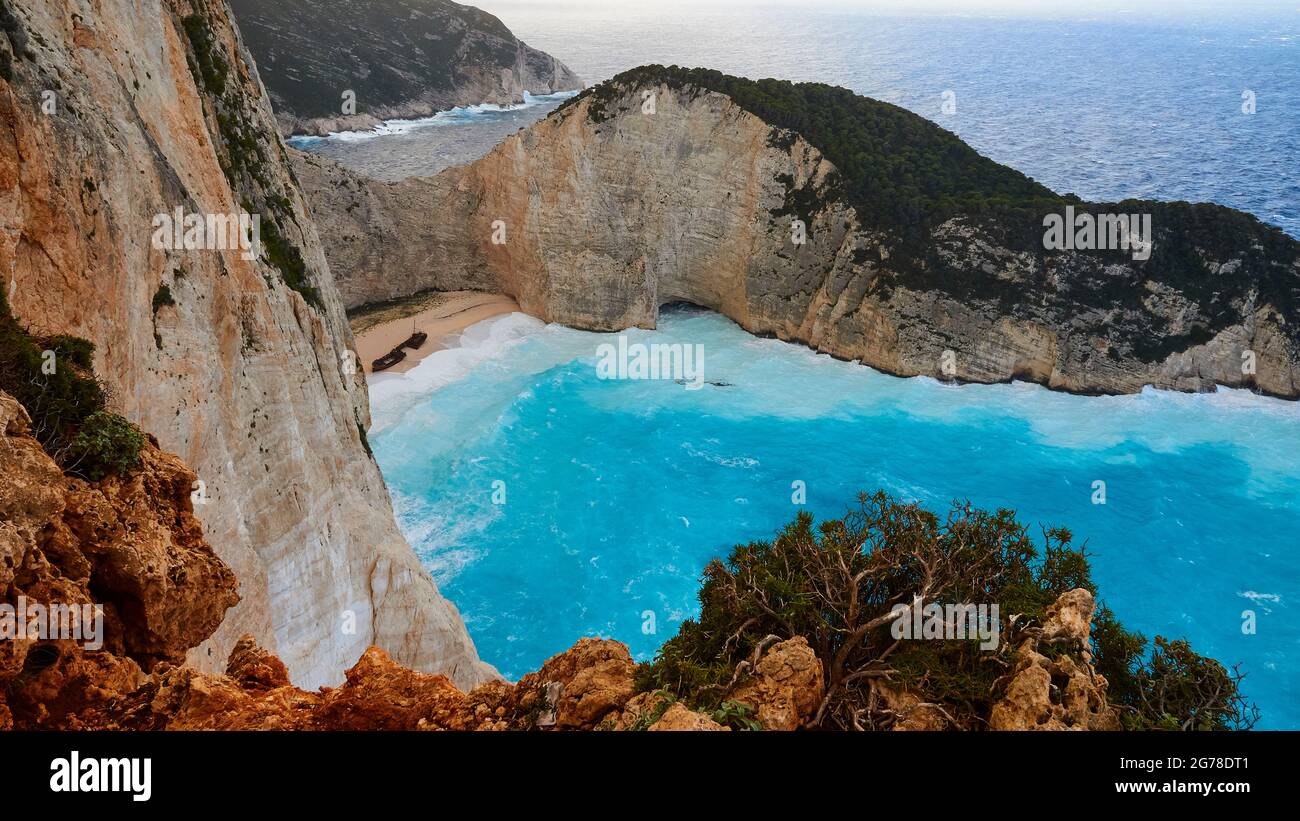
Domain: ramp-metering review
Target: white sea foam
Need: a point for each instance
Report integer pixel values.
(768, 377)
(391, 393)
(456, 116)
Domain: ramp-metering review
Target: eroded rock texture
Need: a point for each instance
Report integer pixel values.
(786, 687)
(591, 687)
(1062, 692)
(130, 544)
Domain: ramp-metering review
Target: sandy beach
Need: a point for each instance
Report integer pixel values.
(438, 314)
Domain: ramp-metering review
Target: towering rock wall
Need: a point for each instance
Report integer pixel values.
(602, 213)
(115, 113)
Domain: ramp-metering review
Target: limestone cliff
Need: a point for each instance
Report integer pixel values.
(242, 367)
(400, 58)
(925, 258)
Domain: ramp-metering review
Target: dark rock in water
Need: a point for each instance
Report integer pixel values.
(398, 58)
(710, 382)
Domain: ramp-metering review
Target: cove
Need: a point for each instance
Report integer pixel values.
(617, 493)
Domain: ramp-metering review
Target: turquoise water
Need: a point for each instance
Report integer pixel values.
(617, 493)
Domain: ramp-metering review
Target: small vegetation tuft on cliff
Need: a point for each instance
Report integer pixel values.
(162, 297)
(208, 61)
(836, 585)
(58, 392)
(243, 158)
(105, 443)
(52, 378)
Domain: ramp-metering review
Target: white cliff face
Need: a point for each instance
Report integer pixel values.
(603, 212)
(601, 224)
(243, 376)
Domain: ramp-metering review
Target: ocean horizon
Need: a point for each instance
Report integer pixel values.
(1108, 107)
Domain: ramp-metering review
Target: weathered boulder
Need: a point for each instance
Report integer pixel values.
(127, 544)
(253, 668)
(1063, 692)
(584, 684)
(786, 687)
(678, 718)
(381, 695)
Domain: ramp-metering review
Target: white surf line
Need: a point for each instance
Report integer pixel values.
(392, 127)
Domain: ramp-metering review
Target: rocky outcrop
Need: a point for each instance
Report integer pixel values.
(582, 686)
(127, 544)
(1063, 691)
(649, 190)
(240, 366)
(786, 686)
(591, 686)
(1052, 686)
(677, 718)
(378, 694)
(400, 59)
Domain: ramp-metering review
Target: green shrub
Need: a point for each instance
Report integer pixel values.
(66, 406)
(1172, 689)
(835, 585)
(737, 716)
(106, 443)
(75, 350)
(57, 402)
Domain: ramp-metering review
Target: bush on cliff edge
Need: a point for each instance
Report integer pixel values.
(66, 402)
(835, 585)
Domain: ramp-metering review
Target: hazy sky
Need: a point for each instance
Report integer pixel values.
(1018, 8)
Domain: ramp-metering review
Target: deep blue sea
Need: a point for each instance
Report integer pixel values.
(618, 493)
